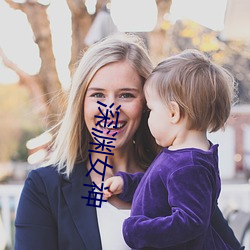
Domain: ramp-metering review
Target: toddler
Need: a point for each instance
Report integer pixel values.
(188, 96)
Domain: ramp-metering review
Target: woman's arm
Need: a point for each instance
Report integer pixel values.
(35, 226)
(221, 226)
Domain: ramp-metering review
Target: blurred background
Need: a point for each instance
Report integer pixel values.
(42, 40)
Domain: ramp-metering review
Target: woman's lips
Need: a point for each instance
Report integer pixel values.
(111, 130)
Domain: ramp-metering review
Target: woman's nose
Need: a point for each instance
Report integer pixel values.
(111, 110)
(107, 104)
(111, 103)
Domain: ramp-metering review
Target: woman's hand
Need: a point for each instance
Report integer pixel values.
(112, 186)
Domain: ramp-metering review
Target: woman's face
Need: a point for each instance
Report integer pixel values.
(120, 84)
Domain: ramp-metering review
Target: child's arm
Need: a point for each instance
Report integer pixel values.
(189, 192)
(124, 184)
(112, 186)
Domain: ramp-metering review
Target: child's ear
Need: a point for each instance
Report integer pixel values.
(175, 112)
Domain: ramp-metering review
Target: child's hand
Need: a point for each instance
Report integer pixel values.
(114, 184)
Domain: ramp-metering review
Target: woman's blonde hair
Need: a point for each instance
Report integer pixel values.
(72, 141)
(203, 90)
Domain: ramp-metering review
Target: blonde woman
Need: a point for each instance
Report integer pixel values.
(53, 211)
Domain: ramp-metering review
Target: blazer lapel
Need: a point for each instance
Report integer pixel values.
(84, 216)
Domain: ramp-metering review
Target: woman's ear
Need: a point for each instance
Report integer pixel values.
(174, 112)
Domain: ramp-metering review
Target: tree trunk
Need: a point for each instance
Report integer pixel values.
(46, 81)
(81, 22)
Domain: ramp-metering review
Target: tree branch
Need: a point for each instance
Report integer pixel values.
(13, 5)
(9, 64)
(31, 82)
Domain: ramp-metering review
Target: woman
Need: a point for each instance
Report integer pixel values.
(53, 211)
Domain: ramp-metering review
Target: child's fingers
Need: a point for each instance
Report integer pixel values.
(113, 187)
(106, 192)
(107, 183)
(110, 184)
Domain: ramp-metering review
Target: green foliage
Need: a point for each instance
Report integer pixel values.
(233, 55)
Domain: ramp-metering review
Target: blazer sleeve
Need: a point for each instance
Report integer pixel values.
(221, 226)
(35, 225)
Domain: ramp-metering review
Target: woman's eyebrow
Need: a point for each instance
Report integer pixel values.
(95, 89)
(122, 89)
(129, 89)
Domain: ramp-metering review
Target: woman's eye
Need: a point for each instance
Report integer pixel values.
(127, 95)
(97, 95)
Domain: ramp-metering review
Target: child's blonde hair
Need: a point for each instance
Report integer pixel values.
(203, 90)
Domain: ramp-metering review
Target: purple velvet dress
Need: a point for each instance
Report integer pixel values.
(174, 202)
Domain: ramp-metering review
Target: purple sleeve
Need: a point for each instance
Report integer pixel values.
(131, 182)
(190, 200)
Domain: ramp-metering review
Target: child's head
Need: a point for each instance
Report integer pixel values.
(203, 90)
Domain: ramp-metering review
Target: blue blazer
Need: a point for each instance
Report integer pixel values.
(51, 214)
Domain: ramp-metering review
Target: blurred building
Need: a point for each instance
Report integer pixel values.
(234, 145)
(237, 19)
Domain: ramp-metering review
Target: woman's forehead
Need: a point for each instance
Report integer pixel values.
(116, 75)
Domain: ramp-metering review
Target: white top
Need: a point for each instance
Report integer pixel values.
(110, 220)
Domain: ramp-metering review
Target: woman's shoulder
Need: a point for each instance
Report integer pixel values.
(49, 175)
(47, 172)
(45, 177)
